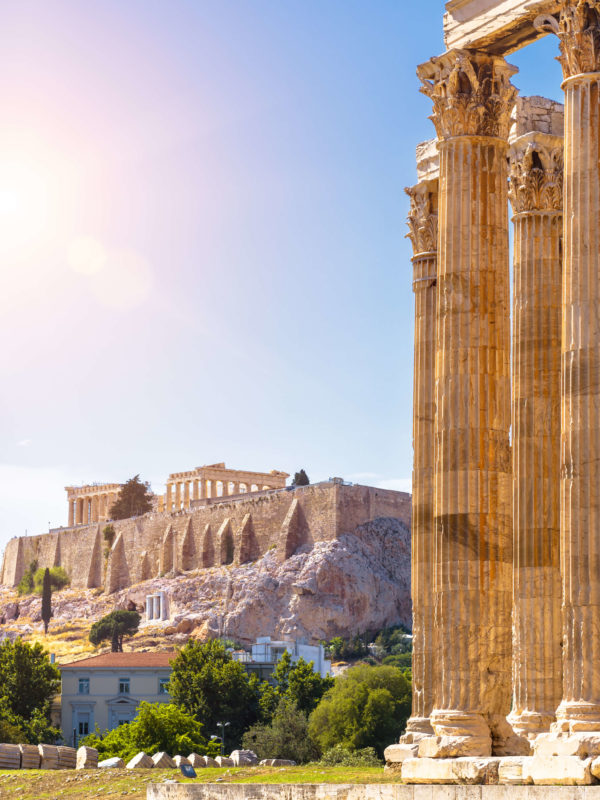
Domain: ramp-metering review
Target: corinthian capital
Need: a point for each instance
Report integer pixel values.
(577, 26)
(536, 173)
(471, 94)
(422, 218)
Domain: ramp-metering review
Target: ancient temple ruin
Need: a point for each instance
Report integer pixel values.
(506, 482)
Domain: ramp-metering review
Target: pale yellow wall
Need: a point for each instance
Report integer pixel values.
(104, 687)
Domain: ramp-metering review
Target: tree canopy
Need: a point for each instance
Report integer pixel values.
(298, 683)
(135, 498)
(367, 707)
(28, 682)
(286, 736)
(301, 479)
(115, 626)
(211, 686)
(156, 727)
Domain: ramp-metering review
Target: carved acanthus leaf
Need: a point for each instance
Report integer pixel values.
(579, 34)
(471, 94)
(536, 178)
(422, 218)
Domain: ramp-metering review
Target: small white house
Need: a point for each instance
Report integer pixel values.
(265, 654)
(106, 690)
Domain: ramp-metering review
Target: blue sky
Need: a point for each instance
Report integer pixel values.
(202, 224)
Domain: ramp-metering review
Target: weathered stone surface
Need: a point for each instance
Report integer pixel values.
(181, 761)
(209, 762)
(140, 761)
(111, 763)
(30, 756)
(224, 761)
(277, 762)
(450, 770)
(49, 756)
(163, 760)
(579, 744)
(242, 758)
(454, 746)
(67, 757)
(196, 760)
(87, 758)
(510, 771)
(561, 770)
(397, 753)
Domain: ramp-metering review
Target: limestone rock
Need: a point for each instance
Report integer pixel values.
(163, 760)
(49, 756)
(455, 747)
(140, 761)
(397, 753)
(209, 762)
(223, 761)
(510, 771)
(450, 770)
(67, 757)
(181, 761)
(561, 770)
(579, 744)
(87, 757)
(112, 763)
(196, 760)
(243, 758)
(30, 756)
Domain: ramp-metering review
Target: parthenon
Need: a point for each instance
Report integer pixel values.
(215, 480)
(506, 480)
(91, 503)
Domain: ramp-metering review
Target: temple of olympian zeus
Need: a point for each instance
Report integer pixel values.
(92, 503)
(506, 531)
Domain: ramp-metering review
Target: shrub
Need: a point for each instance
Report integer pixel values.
(340, 756)
(157, 726)
(286, 737)
(58, 579)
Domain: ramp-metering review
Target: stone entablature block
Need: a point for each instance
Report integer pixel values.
(496, 26)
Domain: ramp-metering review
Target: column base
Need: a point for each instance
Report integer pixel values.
(505, 740)
(417, 728)
(577, 716)
(457, 733)
(530, 723)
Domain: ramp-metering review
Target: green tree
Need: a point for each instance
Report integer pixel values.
(115, 626)
(211, 686)
(28, 682)
(135, 498)
(367, 707)
(25, 585)
(46, 600)
(286, 737)
(156, 727)
(300, 479)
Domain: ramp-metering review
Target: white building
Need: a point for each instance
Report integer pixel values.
(266, 653)
(106, 690)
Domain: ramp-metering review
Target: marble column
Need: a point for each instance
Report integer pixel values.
(422, 222)
(203, 491)
(186, 494)
(94, 508)
(169, 498)
(71, 513)
(472, 98)
(195, 494)
(536, 193)
(578, 28)
(178, 496)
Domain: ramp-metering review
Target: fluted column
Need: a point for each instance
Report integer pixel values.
(169, 498)
(536, 192)
(94, 508)
(578, 28)
(71, 512)
(472, 98)
(203, 493)
(186, 494)
(195, 494)
(178, 496)
(422, 221)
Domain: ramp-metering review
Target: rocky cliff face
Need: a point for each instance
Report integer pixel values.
(358, 582)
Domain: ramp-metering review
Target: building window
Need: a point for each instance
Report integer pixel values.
(163, 686)
(84, 727)
(123, 685)
(84, 685)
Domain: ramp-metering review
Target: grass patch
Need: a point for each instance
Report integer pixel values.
(37, 784)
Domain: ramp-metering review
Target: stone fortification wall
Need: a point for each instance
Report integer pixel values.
(235, 531)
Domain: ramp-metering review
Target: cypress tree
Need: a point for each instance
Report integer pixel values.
(46, 600)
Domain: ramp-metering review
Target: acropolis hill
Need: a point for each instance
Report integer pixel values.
(317, 561)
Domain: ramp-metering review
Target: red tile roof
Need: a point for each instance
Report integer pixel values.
(119, 660)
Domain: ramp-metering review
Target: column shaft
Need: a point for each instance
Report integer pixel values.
(580, 500)
(178, 496)
(169, 499)
(71, 512)
(472, 99)
(186, 494)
